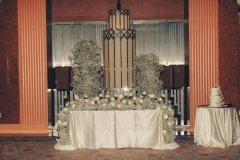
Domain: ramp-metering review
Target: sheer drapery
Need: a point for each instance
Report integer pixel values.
(64, 36)
(166, 39)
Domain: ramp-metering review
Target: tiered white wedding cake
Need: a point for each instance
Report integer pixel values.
(216, 98)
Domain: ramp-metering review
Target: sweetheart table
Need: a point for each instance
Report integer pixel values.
(116, 129)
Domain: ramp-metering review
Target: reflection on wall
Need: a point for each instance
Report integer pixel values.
(166, 39)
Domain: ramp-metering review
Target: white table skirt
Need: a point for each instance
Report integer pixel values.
(216, 127)
(116, 129)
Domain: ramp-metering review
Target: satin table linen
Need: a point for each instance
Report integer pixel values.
(216, 127)
(117, 129)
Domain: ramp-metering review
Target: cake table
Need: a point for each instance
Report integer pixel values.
(216, 127)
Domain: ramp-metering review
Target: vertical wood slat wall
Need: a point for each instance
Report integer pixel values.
(32, 66)
(203, 52)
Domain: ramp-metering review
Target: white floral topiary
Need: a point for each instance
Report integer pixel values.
(148, 73)
(86, 64)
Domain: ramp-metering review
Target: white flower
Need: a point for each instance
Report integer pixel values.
(104, 104)
(130, 94)
(73, 106)
(59, 122)
(120, 96)
(107, 96)
(65, 109)
(160, 99)
(61, 114)
(134, 98)
(92, 102)
(158, 107)
(100, 95)
(119, 106)
(164, 132)
(115, 95)
(162, 95)
(169, 109)
(55, 134)
(67, 104)
(151, 95)
(105, 100)
(112, 99)
(164, 106)
(65, 123)
(85, 96)
(165, 116)
(76, 97)
(124, 101)
(97, 98)
(86, 100)
(125, 93)
(141, 101)
(112, 104)
(170, 123)
(50, 133)
(80, 100)
(144, 93)
(130, 103)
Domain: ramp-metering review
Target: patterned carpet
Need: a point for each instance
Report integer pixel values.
(43, 149)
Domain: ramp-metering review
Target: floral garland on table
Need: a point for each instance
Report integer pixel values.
(126, 101)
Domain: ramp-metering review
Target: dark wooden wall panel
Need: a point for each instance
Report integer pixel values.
(96, 10)
(63, 78)
(9, 87)
(180, 76)
(229, 51)
(167, 77)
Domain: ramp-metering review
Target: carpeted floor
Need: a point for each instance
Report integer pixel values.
(43, 149)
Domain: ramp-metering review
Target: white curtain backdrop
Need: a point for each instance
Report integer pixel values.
(166, 39)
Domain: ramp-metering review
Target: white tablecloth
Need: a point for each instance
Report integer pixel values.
(117, 129)
(216, 127)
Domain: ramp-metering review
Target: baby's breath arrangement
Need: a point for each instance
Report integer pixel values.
(86, 64)
(148, 72)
